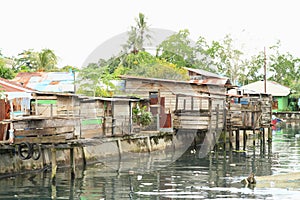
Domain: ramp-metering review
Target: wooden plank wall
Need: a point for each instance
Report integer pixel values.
(91, 119)
(44, 131)
(254, 113)
(121, 117)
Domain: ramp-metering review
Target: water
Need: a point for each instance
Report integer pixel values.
(161, 176)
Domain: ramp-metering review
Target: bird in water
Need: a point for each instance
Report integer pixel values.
(250, 180)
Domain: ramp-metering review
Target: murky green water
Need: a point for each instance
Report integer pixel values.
(172, 176)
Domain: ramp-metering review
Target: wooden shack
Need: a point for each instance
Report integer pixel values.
(59, 117)
(102, 116)
(249, 110)
(181, 104)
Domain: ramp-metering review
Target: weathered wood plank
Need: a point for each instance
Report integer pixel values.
(42, 140)
(33, 132)
(91, 133)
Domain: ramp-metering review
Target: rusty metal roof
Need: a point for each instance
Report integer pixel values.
(211, 81)
(12, 86)
(204, 73)
(47, 81)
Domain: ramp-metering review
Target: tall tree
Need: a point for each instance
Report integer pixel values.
(95, 81)
(177, 49)
(283, 67)
(253, 70)
(29, 60)
(5, 72)
(137, 35)
(223, 56)
(46, 60)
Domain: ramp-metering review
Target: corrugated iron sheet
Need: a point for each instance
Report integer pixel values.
(48, 81)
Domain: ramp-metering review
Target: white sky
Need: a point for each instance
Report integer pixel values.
(73, 28)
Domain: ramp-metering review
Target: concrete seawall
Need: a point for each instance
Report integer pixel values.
(98, 150)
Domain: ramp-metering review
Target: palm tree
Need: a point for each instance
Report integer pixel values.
(137, 35)
(45, 60)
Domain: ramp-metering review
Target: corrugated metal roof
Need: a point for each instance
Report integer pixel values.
(217, 81)
(212, 81)
(47, 81)
(204, 73)
(273, 88)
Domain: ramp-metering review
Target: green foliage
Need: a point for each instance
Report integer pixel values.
(69, 68)
(5, 72)
(95, 81)
(134, 60)
(141, 116)
(223, 56)
(137, 35)
(31, 61)
(283, 67)
(177, 49)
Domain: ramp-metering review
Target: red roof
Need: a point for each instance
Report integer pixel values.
(24, 77)
(11, 86)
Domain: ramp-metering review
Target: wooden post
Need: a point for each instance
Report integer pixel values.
(263, 135)
(244, 139)
(83, 157)
(230, 136)
(176, 103)
(36, 106)
(149, 144)
(225, 126)
(269, 134)
(119, 146)
(72, 163)
(53, 164)
(51, 111)
(253, 137)
(237, 139)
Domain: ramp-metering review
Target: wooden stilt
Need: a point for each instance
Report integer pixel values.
(119, 146)
(254, 137)
(149, 144)
(230, 137)
(83, 157)
(53, 164)
(244, 139)
(72, 163)
(269, 134)
(263, 135)
(237, 139)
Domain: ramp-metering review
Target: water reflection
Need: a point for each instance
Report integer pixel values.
(216, 176)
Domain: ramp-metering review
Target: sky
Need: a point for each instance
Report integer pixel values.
(73, 29)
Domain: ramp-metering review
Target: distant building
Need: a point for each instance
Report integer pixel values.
(279, 93)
